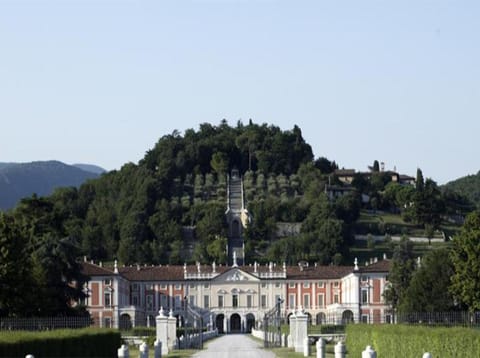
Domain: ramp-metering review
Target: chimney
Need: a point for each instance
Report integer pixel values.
(138, 267)
(84, 258)
(384, 256)
(356, 264)
(255, 267)
(375, 260)
(115, 267)
(100, 264)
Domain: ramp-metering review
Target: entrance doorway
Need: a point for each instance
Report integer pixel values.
(219, 323)
(235, 323)
(250, 322)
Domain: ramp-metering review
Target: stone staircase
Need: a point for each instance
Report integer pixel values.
(235, 199)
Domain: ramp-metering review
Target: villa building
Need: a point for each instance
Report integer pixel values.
(235, 298)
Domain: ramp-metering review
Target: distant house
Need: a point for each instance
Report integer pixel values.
(334, 191)
(345, 175)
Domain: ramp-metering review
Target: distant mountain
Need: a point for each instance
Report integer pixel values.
(468, 186)
(19, 180)
(90, 168)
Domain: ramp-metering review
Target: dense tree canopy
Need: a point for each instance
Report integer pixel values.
(466, 262)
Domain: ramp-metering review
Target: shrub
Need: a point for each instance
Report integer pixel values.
(86, 342)
(399, 341)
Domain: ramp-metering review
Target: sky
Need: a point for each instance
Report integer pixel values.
(100, 81)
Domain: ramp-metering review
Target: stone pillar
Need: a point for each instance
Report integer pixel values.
(301, 331)
(293, 330)
(122, 352)
(306, 347)
(143, 350)
(162, 331)
(340, 350)
(369, 353)
(321, 348)
(157, 349)
(172, 330)
(284, 340)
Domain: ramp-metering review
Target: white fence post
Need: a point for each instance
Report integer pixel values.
(340, 350)
(321, 348)
(427, 355)
(122, 352)
(369, 353)
(143, 350)
(157, 346)
(306, 347)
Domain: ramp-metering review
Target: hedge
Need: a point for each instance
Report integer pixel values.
(87, 342)
(400, 341)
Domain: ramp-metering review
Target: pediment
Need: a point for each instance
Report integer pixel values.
(235, 275)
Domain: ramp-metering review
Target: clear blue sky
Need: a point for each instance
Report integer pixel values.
(100, 81)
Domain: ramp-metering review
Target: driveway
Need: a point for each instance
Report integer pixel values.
(234, 346)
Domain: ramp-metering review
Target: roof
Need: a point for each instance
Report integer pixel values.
(176, 272)
(379, 266)
(318, 272)
(90, 269)
(341, 172)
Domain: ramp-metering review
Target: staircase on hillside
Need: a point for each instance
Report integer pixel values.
(234, 212)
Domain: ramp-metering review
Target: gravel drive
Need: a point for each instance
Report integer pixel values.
(234, 346)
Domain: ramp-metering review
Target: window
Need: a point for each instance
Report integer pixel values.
(163, 286)
(164, 301)
(364, 278)
(149, 303)
(192, 286)
(134, 287)
(107, 322)
(364, 296)
(178, 302)
(206, 301)
(107, 282)
(306, 301)
(320, 284)
(321, 300)
(388, 319)
(178, 286)
(264, 285)
(220, 301)
(107, 301)
(277, 284)
(263, 301)
(206, 285)
(364, 318)
(191, 300)
(336, 284)
(291, 285)
(234, 300)
(249, 301)
(135, 300)
(150, 287)
(306, 285)
(291, 301)
(336, 298)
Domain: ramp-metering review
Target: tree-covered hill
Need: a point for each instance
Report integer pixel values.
(170, 207)
(18, 180)
(468, 186)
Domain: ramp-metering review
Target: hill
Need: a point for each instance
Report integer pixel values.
(19, 180)
(468, 186)
(90, 168)
(141, 212)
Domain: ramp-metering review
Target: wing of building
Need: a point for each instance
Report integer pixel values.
(236, 298)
